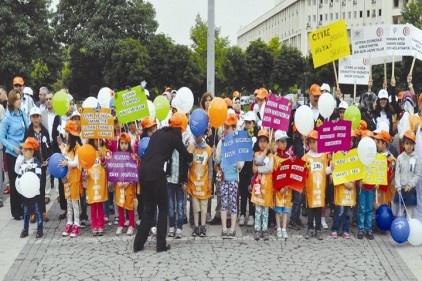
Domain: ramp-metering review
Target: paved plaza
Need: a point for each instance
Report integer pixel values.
(110, 257)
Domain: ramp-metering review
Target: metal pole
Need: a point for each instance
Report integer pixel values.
(211, 48)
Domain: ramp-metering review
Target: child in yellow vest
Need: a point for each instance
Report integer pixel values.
(125, 192)
(262, 187)
(72, 181)
(315, 184)
(96, 188)
(199, 182)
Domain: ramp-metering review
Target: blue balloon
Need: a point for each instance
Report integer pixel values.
(142, 146)
(111, 103)
(198, 122)
(400, 229)
(384, 217)
(54, 168)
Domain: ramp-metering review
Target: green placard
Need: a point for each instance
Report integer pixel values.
(131, 105)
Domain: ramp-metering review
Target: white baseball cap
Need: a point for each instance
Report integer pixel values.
(74, 113)
(280, 135)
(35, 111)
(28, 91)
(325, 87)
(343, 105)
(250, 116)
(383, 94)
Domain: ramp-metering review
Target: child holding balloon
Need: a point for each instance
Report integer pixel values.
(72, 180)
(28, 163)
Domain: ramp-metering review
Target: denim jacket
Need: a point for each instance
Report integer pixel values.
(12, 131)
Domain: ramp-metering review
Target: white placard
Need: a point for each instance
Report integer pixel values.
(369, 41)
(416, 42)
(352, 69)
(398, 40)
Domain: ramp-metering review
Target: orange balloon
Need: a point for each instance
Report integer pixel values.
(217, 112)
(87, 156)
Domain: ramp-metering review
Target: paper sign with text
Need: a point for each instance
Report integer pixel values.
(334, 136)
(416, 42)
(122, 167)
(352, 71)
(131, 105)
(376, 171)
(277, 113)
(347, 167)
(290, 173)
(369, 41)
(236, 147)
(97, 124)
(398, 40)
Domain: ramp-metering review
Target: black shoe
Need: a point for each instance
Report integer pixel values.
(292, 225)
(185, 220)
(299, 223)
(39, 234)
(83, 223)
(17, 218)
(360, 234)
(164, 249)
(195, 231)
(215, 221)
(24, 233)
(304, 212)
(1, 204)
(309, 233)
(370, 235)
(63, 216)
(318, 235)
(202, 231)
(137, 248)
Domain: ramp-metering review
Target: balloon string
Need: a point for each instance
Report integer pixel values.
(404, 205)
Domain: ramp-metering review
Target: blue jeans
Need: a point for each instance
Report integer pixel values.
(32, 205)
(339, 213)
(366, 200)
(175, 196)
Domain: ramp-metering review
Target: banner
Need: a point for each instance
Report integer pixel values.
(351, 71)
(398, 40)
(347, 167)
(131, 105)
(97, 124)
(369, 41)
(277, 113)
(416, 42)
(235, 148)
(122, 167)
(329, 43)
(291, 173)
(334, 136)
(376, 172)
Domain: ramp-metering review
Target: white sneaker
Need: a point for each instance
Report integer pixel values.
(284, 233)
(242, 220)
(250, 221)
(179, 233)
(279, 233)
(119, 230)
(138, 222)
(153, 230)
(130, 230)
(324, 223)
(170, 233)
(127, 223)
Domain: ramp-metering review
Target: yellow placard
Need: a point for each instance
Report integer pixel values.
(329, 43)
(347, 167)
(376, 172)
(97, 124)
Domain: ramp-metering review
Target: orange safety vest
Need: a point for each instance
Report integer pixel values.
(96, 189)
(73, 187)
(265, 199)
(316, 179)
(198, 178)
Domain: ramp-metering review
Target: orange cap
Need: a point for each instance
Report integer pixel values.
(179, 120)
(148, 122)
(235, 94)
(231, 120)
(30, 143)
(263, 133)
(384, 136)
(363, 125)
(262, 93)
(125, 137)
(367, 133)
(312, 135)
(315, 90)
(72, 128)
(18, 81)
(410, 135)
(228, 102)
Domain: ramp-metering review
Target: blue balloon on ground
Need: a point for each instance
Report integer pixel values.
(198, 122)
(54, 168)
(384, 217)
(142, 146)
(400, 229)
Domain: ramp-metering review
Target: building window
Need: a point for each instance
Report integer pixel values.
(314, 18)
(355, 13)
(309, 2)
(331, 16)
(336, 16)
(360, 14)
(396, 3)
(379, 12)
(368, 13)
(349, 15)
(344, 15)
(320, 17)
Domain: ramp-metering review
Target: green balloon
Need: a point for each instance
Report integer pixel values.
(61, 103)
(353, 114)
(162, 107)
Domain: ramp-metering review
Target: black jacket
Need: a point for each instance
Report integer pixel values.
(159, 151)
(45, 149)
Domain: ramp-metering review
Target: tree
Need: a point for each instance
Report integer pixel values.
(235, 68)
(260, 64)
(288, 67)
(412, 13)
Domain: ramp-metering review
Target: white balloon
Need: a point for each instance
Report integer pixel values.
(104, 97)
(151, 109)
(90, 102)
(304, 120)
(326, 105)
(367, 149)
(415, 234)
(184, 100)
(28, 185)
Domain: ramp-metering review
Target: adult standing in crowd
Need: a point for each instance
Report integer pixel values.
(153, 179)
(12, 134)
(42, 95)
(26, 100)
(2, 112)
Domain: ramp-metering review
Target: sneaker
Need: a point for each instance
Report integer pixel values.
(250, 221)
(370, 235)
(67, 230)
(130, 230)
(170, 233)
(94, 231)
(75, 231)
(299, 223)
(293, 225)
(195, 231)
(83, 223)
(119, 230)
(100, 231)
(179, 233)
(265, 235)
(138, 222)
(232, 233)
(324, 224)
(153, 230)
(318, 235)
(309, 234)
(127, 223)
(39, 234)
(346, 235)
(202, 231)
(257, 235)
(24, 233)
(334, 234)
(360, 234)
(106, 219)
(284, 233)
(116, 220)
(279, 233)
(242, 220)
(224, 234)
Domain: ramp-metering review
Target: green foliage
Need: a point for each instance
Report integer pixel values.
(412, 13)
(235, 68)
(288, 67)
(260, 63)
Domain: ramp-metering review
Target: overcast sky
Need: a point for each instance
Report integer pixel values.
(176, 17)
